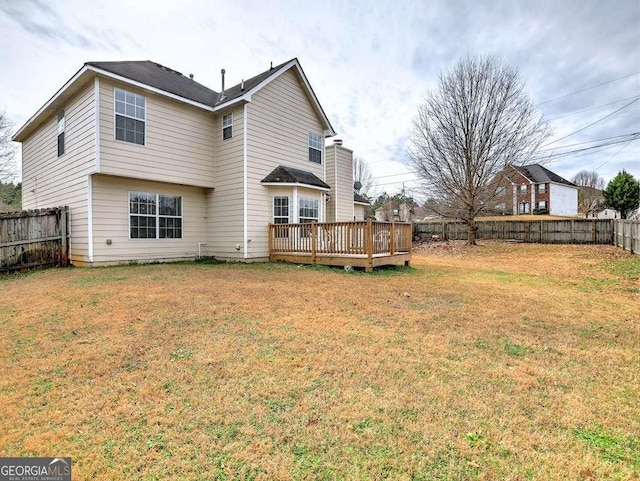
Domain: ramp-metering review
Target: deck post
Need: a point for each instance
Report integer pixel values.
(314, 241)
(64, 247)
(271, 239)
(369, 246)
(392, 239)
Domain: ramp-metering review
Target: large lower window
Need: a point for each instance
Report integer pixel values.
(131, 116)
(315, 148)
(281, 210)
(155, 216)
(308, 210)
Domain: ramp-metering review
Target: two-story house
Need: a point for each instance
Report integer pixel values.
(534, 189)
(155, 166)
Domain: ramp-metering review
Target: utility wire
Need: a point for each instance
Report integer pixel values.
(593, 123)
(588, 88)
(575, 112)
(610, 158)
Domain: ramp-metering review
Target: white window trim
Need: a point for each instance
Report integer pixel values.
(273, 213)
(319, 149)
(128, 116)
(157, 216)
(230, 115)
(316, 200)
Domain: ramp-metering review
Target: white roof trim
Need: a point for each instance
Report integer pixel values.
(293, 63)
(149, 88)
(361, 203)
(295, 184)
(49, 102)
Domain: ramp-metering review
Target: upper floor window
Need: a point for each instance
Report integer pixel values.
(500, 191)
(315, 148)
(155, 216)
(227, 126)
(523, 189)
(542, 188)
(281, 210)
(130, 116)
(61, 129)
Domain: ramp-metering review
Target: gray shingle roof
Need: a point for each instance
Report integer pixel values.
(360, 198)
(163, 78)
(537, 173)
(160, 77)
(290, 175)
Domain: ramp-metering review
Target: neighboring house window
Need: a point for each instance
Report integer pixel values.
(61, 129)
(500, 191)
(501, 206)
(523, 189)
(281, 210)
(155, 216)
(542, 188)
(227, 126)
(315, 148)
(308, 210)
(130, 117)
(524, 207)
(542, 205)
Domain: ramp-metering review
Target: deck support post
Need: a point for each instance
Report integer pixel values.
(392, 239)
(369, 246)
(314, 241)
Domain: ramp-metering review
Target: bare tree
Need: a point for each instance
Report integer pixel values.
(8, 168)
(362, 175)
(477, 121)
(590, 197)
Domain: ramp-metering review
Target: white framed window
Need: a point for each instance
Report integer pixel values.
(131, 117)
(501, 191)
(308, 210)
(542, 188)
(315, 148)
(281, 210)
(542, 204)
(227, 126)
(501, 206)
(524, 207)
(523, 189)
(155, 216)
(61, 130)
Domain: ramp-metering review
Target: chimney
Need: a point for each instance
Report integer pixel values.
(242, 85)
(222, 72)
(337, 142)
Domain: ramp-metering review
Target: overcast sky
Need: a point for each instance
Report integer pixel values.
(370, 62)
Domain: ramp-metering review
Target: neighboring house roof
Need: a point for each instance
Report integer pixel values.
(539, 174)
(165, 81)
(290, 175)
(360, 199)
(160, 77)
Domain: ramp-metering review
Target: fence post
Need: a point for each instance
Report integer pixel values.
(392, 239)
(445, 231)
(573, 238)
(64, 247)
(314, 241)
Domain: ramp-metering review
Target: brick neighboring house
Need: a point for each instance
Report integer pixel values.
(534, 189)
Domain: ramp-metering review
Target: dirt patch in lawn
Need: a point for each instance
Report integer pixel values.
(495, 362)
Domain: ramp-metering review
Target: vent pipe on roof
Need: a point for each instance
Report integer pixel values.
(337, 142)
(242, 85)
(271, 66)
(222, 72)
(191, 76)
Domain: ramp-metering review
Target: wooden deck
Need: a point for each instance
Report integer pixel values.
(365, 244)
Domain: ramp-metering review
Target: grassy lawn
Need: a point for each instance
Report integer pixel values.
(497, 362)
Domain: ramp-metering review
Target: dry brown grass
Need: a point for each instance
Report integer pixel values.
(504, 362)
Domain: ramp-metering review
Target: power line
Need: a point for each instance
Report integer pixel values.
(610, 158)
(592, 141)
(593, 123)
(588, 88)
(590, 108)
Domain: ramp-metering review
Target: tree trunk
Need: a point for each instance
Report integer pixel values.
(471, 232)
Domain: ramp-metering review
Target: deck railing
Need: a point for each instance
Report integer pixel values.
(365, 238)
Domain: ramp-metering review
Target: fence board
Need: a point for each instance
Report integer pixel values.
(34, 238)
(626, 234)
(570, 231)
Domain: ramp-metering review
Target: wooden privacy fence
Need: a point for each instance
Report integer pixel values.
(626, 234)
(569, 231)
(34, 238)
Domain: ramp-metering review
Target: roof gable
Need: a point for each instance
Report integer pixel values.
(539, 174)
(291, 175)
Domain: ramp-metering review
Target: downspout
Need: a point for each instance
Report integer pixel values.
(335, 182)
(245, 199)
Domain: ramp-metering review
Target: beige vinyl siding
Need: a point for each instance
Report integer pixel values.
(340, 163)
(179, 143)
(111, 221)
(225, 202)
(358, 212)
(51, 181)
(280, 117)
